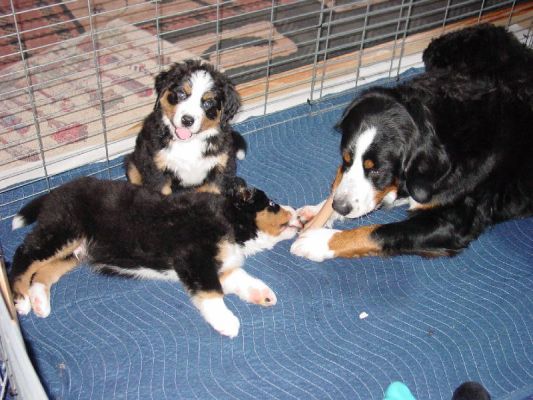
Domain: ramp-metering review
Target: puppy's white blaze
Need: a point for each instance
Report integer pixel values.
(186, 160)
(313, 244)
(18, 222)
(354, 187)
(201, 82)
(216, 313)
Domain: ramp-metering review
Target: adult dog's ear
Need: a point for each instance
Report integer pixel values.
(230, 104)
(425, 161)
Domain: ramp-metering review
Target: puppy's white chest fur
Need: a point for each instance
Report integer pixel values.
(185, 159)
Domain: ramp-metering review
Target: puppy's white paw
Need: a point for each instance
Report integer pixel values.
(23, 305)
(313, 244)
(40, 300)
(307, 213)
(248, 288)
(215, 312)
(226, 324)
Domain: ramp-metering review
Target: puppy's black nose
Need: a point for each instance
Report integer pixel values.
(187, 120)
(342, 207)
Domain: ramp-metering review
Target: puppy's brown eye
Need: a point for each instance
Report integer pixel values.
(172, 98)
(181, 95)
(209, 103)
(368, 164)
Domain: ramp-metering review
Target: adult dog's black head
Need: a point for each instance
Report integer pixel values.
(389, 148)
(195, 98)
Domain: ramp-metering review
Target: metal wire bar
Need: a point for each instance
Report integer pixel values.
(269, 57)
(317, 48)
(31, 97)
(98, 81)
(325, 57)
(510, 14)
(361, 48)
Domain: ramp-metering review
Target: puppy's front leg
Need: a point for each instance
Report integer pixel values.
(212, 307)
(238, 281)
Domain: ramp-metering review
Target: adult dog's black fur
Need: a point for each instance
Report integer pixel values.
(456, 143)
(200, 239)
(187, 141)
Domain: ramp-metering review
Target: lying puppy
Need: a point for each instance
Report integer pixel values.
(200, 239)
(187, 141)
(456, 146)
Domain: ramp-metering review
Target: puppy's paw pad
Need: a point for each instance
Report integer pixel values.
(313, 244)
(40, 302)
(307, 213)
(263, 296)
(227, 325)
(23, 305)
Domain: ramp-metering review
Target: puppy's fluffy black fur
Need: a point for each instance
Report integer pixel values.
(145, 166)
(124, 229)
(456, 139)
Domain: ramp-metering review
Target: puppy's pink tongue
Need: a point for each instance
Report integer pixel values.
(183, 133)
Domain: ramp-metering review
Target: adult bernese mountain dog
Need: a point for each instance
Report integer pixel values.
(198, 238)
(187, 140)
(456, 143)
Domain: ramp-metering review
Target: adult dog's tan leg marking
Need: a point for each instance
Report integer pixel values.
(355, 243)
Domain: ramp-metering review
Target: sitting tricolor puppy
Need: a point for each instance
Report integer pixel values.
(198, 238)
(187, 140)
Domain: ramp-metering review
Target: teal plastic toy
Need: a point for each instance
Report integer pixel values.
(398, 391)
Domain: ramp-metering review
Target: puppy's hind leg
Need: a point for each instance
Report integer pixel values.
(37, 251)
(43, 280)
(201, 280)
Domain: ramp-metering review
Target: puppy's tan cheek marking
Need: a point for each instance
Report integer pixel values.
(21, 285)
(355, 243)
(210, 123)
(168, 109)
(271, 222)
(134, 176)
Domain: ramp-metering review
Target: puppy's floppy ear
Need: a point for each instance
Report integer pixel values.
(231, 102)
(426, 160)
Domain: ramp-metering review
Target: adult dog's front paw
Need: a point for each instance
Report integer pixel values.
(314, 244)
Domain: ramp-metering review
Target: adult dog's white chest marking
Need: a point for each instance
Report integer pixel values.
(186, 160)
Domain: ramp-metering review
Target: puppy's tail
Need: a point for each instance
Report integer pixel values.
(29, 213)
(239, 145)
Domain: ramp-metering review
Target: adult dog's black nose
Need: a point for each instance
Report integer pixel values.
(342, 207)
(187, 120)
